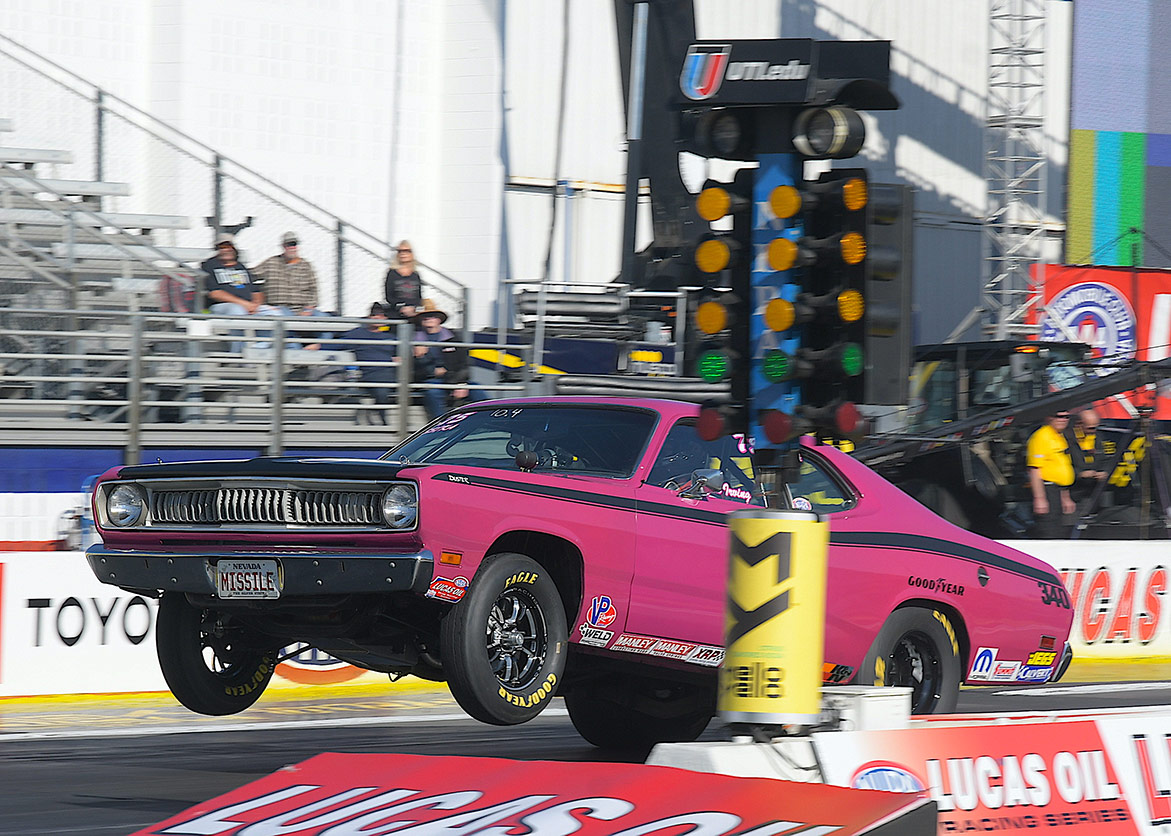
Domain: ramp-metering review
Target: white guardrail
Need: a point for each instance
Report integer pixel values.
(63, 632)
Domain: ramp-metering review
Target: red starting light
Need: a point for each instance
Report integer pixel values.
(847, 418)
(777, 425)
(710, 425)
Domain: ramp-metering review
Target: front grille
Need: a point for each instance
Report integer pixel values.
(266, 506)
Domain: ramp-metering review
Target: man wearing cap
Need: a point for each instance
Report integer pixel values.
(1050, 475)
(290, 282)
(231, 288)
(438, 364)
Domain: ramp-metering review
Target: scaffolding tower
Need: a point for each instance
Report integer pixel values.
(1014, 166)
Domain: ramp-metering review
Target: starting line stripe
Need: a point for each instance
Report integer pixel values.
(188, 728)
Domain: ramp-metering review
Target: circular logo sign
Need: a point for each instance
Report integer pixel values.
(1096, 314)
(886, 776)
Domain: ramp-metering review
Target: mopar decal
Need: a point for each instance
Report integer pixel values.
(982, 663)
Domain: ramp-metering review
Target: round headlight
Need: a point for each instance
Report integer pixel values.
(400, 506)
(126, 506)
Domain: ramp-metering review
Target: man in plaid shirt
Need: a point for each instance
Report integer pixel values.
(289, 280)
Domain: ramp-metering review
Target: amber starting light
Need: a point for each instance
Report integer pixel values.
(854, 194)
(713, 255)
(853, 248)
(785, 201)
(711, 317)
(851, 305)
(713, 203)
(779, 315)
(782, 254)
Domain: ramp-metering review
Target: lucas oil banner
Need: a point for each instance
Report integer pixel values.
(425, 796)
(1100, 775)
(1122, 313)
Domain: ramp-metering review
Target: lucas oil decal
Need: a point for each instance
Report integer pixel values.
(448, 589)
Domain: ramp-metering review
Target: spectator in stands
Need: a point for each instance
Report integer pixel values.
(439, 364)
(1050, 476)
(231, 288)
(404, 288)
(373, 343)
(290, 282)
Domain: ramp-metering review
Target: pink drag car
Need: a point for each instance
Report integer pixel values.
(576, 546)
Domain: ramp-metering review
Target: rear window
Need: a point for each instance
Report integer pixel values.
(596, 441)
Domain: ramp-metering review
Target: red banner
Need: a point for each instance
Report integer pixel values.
(364, 795)
(1041, 777)
(1123, 313)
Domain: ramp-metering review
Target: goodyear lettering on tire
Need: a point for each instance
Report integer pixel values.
(248, 687)
(529, 578)
(541, 693)
(951, 633)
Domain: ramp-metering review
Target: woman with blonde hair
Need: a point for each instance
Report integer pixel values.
(404, 288)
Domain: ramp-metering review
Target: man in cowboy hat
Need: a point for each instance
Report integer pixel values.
(438, 365)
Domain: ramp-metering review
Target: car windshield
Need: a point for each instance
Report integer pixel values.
(581, 439)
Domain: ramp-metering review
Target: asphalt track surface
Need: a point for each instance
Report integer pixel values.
(115, 765)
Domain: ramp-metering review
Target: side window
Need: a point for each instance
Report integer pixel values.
(817, 490)
(684, 452)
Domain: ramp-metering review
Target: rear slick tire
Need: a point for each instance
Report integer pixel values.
(917, 648)
(608, 724)
(504, 645)
(211, 666)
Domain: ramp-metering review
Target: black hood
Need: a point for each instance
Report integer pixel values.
(278, 466)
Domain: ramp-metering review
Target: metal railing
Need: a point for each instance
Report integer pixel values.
(141, 377)
(117, 141)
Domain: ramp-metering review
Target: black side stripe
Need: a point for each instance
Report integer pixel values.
(874, 539)
(920, 542)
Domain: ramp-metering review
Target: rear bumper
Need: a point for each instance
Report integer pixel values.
(302, 574)
(1063, 665)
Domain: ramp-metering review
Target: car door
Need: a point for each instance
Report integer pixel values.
(681, 554)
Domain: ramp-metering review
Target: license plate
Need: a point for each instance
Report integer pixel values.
(248, 579)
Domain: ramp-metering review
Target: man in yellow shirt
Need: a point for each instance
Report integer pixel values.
(1050, 475)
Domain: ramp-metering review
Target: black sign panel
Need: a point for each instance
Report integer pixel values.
(748, 72)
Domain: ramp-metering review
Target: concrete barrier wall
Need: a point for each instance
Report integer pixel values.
(63, 632)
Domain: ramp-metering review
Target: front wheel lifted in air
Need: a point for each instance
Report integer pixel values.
(212, 664)
(504, 644)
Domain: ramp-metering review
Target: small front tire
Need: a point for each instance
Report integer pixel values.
(917, 648)
(504, 645)
(211, 665)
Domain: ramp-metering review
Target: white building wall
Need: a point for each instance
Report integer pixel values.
(406, 142)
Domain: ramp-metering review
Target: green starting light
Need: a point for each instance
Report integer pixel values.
(776, 365)
(851, 359)
(713, 366)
